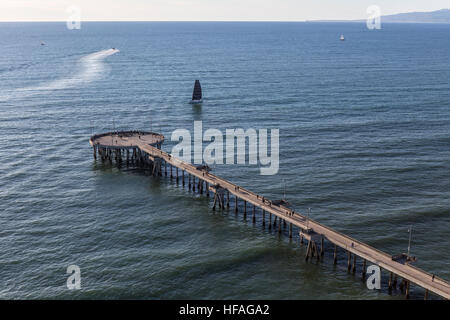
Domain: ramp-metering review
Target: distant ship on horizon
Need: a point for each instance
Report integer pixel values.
(342, 38)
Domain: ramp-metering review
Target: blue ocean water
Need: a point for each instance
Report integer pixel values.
(364, 138)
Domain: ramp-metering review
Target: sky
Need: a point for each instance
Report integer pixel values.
(207, 10)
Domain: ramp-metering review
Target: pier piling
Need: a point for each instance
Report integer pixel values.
(335, 255)
(390, 282)
(363, 273)
(322, 252)
(264, 218)
(349, 262)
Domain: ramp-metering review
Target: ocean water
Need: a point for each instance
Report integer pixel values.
(364, 139)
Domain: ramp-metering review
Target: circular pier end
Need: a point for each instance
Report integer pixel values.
(126, 139)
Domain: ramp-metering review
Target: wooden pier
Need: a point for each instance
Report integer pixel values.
(144, 149)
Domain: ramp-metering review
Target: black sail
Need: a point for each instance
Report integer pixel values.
(197, 94)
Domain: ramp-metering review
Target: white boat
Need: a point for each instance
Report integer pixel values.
(342, 37)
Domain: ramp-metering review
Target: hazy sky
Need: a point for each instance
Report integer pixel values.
(209, 10)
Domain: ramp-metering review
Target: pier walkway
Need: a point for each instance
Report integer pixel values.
(149, 152)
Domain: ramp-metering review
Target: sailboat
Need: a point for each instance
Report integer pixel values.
(197, 94)
(342, 37)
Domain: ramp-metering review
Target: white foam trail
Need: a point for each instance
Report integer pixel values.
(91, 68)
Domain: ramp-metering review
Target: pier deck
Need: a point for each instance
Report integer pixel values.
(407, 272)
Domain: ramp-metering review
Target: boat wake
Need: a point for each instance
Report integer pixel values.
(91, 68)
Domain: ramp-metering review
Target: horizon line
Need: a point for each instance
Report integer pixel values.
(256, 20)
(64, 21)
(221, 21)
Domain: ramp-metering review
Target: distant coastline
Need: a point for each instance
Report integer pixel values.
(439, 16)
(433, 17)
